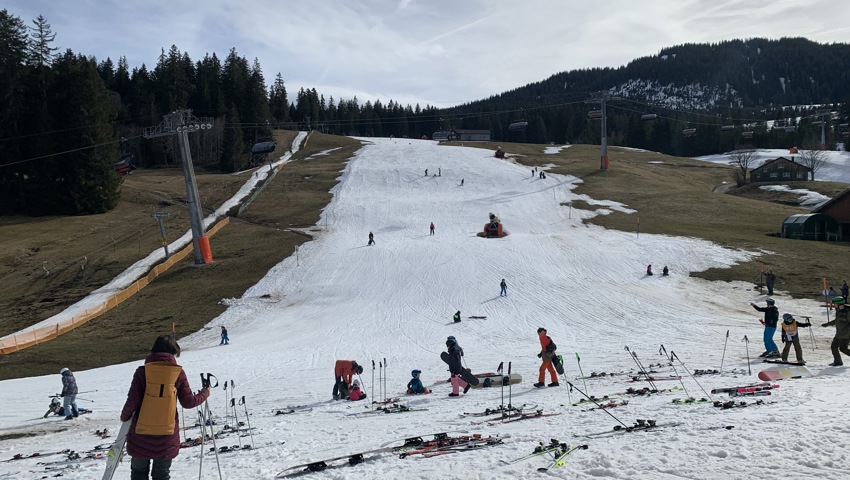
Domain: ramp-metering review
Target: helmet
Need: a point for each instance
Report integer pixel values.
(358, 369)
(415, 373)
(838, 300)
(63, 371)
(541, 329)
(770, 301)
(787, 318)
(356, 383)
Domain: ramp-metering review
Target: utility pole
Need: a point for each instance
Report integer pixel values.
(181, 122)
(601, 98)
(159, 217)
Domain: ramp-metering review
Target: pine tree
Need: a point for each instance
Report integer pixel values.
(40, 52)
(232, 157)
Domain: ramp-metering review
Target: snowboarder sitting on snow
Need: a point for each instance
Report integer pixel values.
(456, 317)
(414, 386)
(354, 393)
(842, 331)
(771, 318)
(665, 271)
(456, 366)
(344, 371)
(649, 269)
(371, 239)
(790, 335)
(547, 351)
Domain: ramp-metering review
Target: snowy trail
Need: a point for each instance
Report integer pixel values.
(394, 300)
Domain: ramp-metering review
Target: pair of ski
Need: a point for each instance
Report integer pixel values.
(453, 445)
(394, 408)
(413, 444)
(610, 404)
(500, 410)
(640, 426)
(689, 401)
(509, 417)
(746, 389)
(733, 404)
(557, 450)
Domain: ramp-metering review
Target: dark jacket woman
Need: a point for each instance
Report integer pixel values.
(157, 446)
(455, 354)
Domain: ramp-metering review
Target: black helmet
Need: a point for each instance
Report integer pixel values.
(415, 373)
(358, 368)
(770, 301)
(788, 318)
(541, 329)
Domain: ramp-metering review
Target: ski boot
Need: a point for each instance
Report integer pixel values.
(539, 384)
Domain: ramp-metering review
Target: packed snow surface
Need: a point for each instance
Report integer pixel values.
(392, 303)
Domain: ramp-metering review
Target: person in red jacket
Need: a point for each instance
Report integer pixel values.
(344, 371)
(547, 351)
(154, 433)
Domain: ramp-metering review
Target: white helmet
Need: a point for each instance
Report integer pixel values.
(63, 371)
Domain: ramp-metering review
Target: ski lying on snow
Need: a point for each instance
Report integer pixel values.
(751, 388)
(394, 408)
(733, 404)
(653, 379)
(641, 426)
(689, 401)
(501, 409)
(784, 362)
(560, 458)
(611, 404)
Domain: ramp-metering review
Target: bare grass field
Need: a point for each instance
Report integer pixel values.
(49, 263)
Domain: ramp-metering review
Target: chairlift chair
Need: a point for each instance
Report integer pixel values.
(517, 125)
(594, 114)
(727, 128)
(747, 134)
(125, 164)
(648, 116)
(689, 132)
(262, 148)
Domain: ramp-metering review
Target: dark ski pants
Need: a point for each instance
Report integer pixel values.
(140, 467)
(797, 351)
(336, 386)
(839, 345)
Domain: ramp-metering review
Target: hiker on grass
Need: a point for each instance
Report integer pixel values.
(224, 339)
(157, 386)
(69, 394)
(547, 352)
(344, 371)
(414, 386)
(790, 335)
(504, 291)
(771, 318)
(842, 331)
(456, 367)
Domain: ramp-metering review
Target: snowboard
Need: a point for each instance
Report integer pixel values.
(496, 380)
(772, 375)
(558, 362)
(785, 362)
(465, 374)
(116, 451)
(478, 317)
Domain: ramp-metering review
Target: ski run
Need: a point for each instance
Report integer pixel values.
(393, 303)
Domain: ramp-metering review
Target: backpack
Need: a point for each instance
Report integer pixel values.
(343, 389)
(551, 347)
(159, 405)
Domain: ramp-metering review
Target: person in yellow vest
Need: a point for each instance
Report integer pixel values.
(791, 335)
(152, 405)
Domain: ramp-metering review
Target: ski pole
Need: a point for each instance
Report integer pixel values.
(569, 397)
(811, 332)
(597, 404)
(247, 419)
(84, 399)
(183, 418)
(641, 370)
(385, 379)
(206, 383)
(724, 351)
(373, 386)
(226, 403)
(380, 382)
(673, 354)
(747, 345)
(663, 351)
(504, 380)
(236, 420)
(578, 359)
(510, 386)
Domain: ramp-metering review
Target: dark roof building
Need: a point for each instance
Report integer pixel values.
(838, 208)
(780, 170)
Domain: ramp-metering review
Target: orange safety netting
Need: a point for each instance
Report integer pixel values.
(19, 341)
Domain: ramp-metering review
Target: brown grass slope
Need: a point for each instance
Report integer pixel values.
(672, 195)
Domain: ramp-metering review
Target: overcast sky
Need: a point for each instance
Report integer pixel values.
(437, 52)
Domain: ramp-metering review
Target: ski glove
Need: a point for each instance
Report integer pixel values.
(540, 355)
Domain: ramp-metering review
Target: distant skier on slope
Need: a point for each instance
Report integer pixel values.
(547, 352)
(456, 317)
(771, 318)
(456, 366)
(371, 239)
(432, 228)
(649, 269)
(842, 331)
(224, 338)
(504, 288)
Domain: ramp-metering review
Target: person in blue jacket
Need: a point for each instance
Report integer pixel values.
(414, 386)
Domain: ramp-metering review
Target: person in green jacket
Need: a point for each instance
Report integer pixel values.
(842, 331)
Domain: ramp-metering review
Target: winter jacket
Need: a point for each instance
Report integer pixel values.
(156, 446)
(771, 315)
(415, 386)
(790, 331)
(69, 384)
(355, 393)
(545, 341)
(841, 322)
(345, 369)
(455, 353)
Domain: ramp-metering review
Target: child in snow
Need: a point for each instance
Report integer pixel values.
(790, 335)
(354, 393)
(649, 269)
(456, 317)
(344, 371)
(415, 386)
